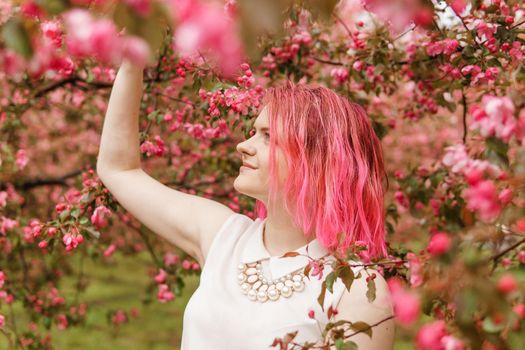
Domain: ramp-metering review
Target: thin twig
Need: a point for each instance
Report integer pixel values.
(496, 256)
(464, 102)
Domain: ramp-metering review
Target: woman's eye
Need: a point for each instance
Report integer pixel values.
(267, 134)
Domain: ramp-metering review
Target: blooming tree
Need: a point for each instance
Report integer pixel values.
(442, 82)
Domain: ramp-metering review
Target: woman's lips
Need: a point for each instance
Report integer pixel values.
(244, 167)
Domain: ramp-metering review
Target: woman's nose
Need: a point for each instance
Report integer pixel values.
(244, 147)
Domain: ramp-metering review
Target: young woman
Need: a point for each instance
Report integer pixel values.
(315, 167)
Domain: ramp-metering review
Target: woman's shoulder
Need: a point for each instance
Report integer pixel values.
(230, 232)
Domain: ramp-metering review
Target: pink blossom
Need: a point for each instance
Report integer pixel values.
(505, 196)
(72, 241)
(7, 224)
(439, 244)
(485, 30)
(340, 75)
(521, 256)
(171, 259)
(458, 6)
(100, 215)
(141, 7)
(31, 9)
(161, 276)
(311, 314)
(2, 278)
(109, 250)
(358, 65)
(164, 294)
(452, 343)
(62, 322)
(3, 198)
(507, 283)
(457, 158)
(136, 50)
(204, 26)
(495, 117)
(519, 309)
(430, 336)
(55, 297)
(483, 198)
(119, 317)
(158, 148)
(317, 269)
(2, 321)
(21, 159)
(186, 264)
(401, 199)
(447, 47)
(414, 267)
(12, 63)
(230, 8)
(87, 36)
(51, 30)
(407, 306)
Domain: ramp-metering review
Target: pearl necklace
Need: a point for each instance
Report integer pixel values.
(257, 288)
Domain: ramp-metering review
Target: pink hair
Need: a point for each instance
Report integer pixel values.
(335, 167)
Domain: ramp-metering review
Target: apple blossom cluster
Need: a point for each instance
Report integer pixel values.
(440, 243)
(495, 117)
(434, 336)
(446, 47)
(158, 148)
(407, 305)
(482, 195)
(414, 265)
(287, 52)
(100, 215)
(4, 296)
(208, 27)
(164, 294)
(232, 99)
(87, 36)
(201, 28)
(457, 159)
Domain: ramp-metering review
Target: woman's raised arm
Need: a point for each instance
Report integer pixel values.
(188, 221)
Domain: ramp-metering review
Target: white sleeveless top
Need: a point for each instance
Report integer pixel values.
(218, 316)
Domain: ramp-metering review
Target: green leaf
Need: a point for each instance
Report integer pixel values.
(330, 279)
(347, 275)
(84, 220)
(371, 292)
(363, 327)
(63, 215)
(53, 7)
(320, 298)
(496, 151)
(75, 212)
(490, 327)
(17, 38)
(93, 232)
(340, 344)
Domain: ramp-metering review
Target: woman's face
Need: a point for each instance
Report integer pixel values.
(256, 152)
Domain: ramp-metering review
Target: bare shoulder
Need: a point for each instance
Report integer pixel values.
(354, 306)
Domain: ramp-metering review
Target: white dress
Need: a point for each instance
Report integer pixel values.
(218, 316)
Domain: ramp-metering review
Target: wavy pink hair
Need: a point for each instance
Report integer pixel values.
(335, 167)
